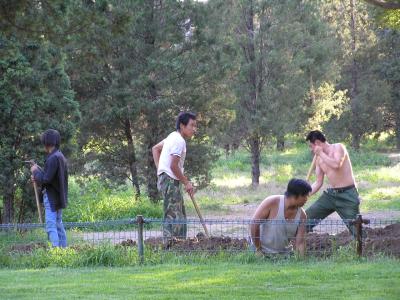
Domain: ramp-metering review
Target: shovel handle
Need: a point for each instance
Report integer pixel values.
(312, 167)
(199, 214)
(37, 201)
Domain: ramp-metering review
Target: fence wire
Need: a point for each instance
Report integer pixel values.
(327, 237)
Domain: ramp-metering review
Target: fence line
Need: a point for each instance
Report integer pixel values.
(146, 234)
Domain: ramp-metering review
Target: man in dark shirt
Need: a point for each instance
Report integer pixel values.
(54, 181)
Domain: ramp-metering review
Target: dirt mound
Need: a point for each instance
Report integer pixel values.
(26, 248)
(198, 243)
(383, 240)
(128, 243)
(380, 240)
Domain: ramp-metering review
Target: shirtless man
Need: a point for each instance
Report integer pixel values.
(333, 161)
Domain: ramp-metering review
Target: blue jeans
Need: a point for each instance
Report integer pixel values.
(54, 226)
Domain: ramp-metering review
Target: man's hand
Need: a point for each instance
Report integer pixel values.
(32, 178)
(317, 150)
(189, 188)
(34, 168)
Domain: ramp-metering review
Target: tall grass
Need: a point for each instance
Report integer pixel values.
(94, 202)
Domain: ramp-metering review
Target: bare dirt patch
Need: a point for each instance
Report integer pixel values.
(378, 240)
(27, 248)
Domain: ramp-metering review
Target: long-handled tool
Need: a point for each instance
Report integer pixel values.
(199, 214)
(312, 167)
(31, 162)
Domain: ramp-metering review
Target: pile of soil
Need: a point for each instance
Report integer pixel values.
(383, 240)
(27, 248)
(380, 240)
(199, 243)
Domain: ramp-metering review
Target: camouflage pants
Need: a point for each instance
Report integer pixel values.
(174, 208)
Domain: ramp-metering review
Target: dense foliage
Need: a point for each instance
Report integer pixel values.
(112, 75)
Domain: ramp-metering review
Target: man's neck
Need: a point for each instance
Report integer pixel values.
(50, 150)
(181, 134)
(325, 147)
(289, 204)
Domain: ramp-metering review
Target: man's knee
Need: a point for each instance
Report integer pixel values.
(51, 225)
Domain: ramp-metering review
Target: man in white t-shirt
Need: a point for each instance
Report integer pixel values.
(169, 157)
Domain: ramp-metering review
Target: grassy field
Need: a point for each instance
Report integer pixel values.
(301, 280)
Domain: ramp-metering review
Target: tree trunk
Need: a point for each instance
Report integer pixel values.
(132, 162)
(152, 138)
(151, 177)
(355, 130)
(356, 141)
(397, 129)
(150, 173)
(8, 203)
(227, 150)
(280, 143)
(255, 160)
(251, 105)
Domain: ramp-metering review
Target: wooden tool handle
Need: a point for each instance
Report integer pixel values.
(199, 214)
(37, 202)
(312, 167)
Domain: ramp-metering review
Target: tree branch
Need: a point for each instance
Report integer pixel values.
(384, 4)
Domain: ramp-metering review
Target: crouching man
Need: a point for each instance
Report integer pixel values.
(280, 219)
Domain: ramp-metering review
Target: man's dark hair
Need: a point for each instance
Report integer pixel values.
(51, 137)
(298, 187)
(315, 135)
(183, 118)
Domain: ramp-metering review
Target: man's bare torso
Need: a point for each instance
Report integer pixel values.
(341, 177)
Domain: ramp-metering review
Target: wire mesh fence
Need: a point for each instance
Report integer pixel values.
(328, 236)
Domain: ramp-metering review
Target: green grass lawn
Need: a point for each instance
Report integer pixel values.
(283, 280)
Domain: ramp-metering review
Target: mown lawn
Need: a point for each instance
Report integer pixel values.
(286, 280)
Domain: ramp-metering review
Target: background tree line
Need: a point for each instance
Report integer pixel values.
(112, 75)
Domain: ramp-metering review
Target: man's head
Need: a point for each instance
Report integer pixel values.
(186, 124)
(316, 138)
(298, 190)
(50, 139)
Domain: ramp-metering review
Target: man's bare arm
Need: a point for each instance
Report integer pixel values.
(338, 157)
(156, 150)
(300, 244)
(318, 181)
(261, 213)
(178, 174)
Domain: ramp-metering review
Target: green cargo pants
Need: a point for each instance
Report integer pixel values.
(174, 208)
(346, 204)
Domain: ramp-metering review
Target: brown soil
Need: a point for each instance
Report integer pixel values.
(380, 240)
(26, 248)
(199, 243)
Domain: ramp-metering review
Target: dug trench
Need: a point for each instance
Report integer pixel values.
(377, 241)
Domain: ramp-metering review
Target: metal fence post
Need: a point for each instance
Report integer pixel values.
(140, 222)
(358, 224)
